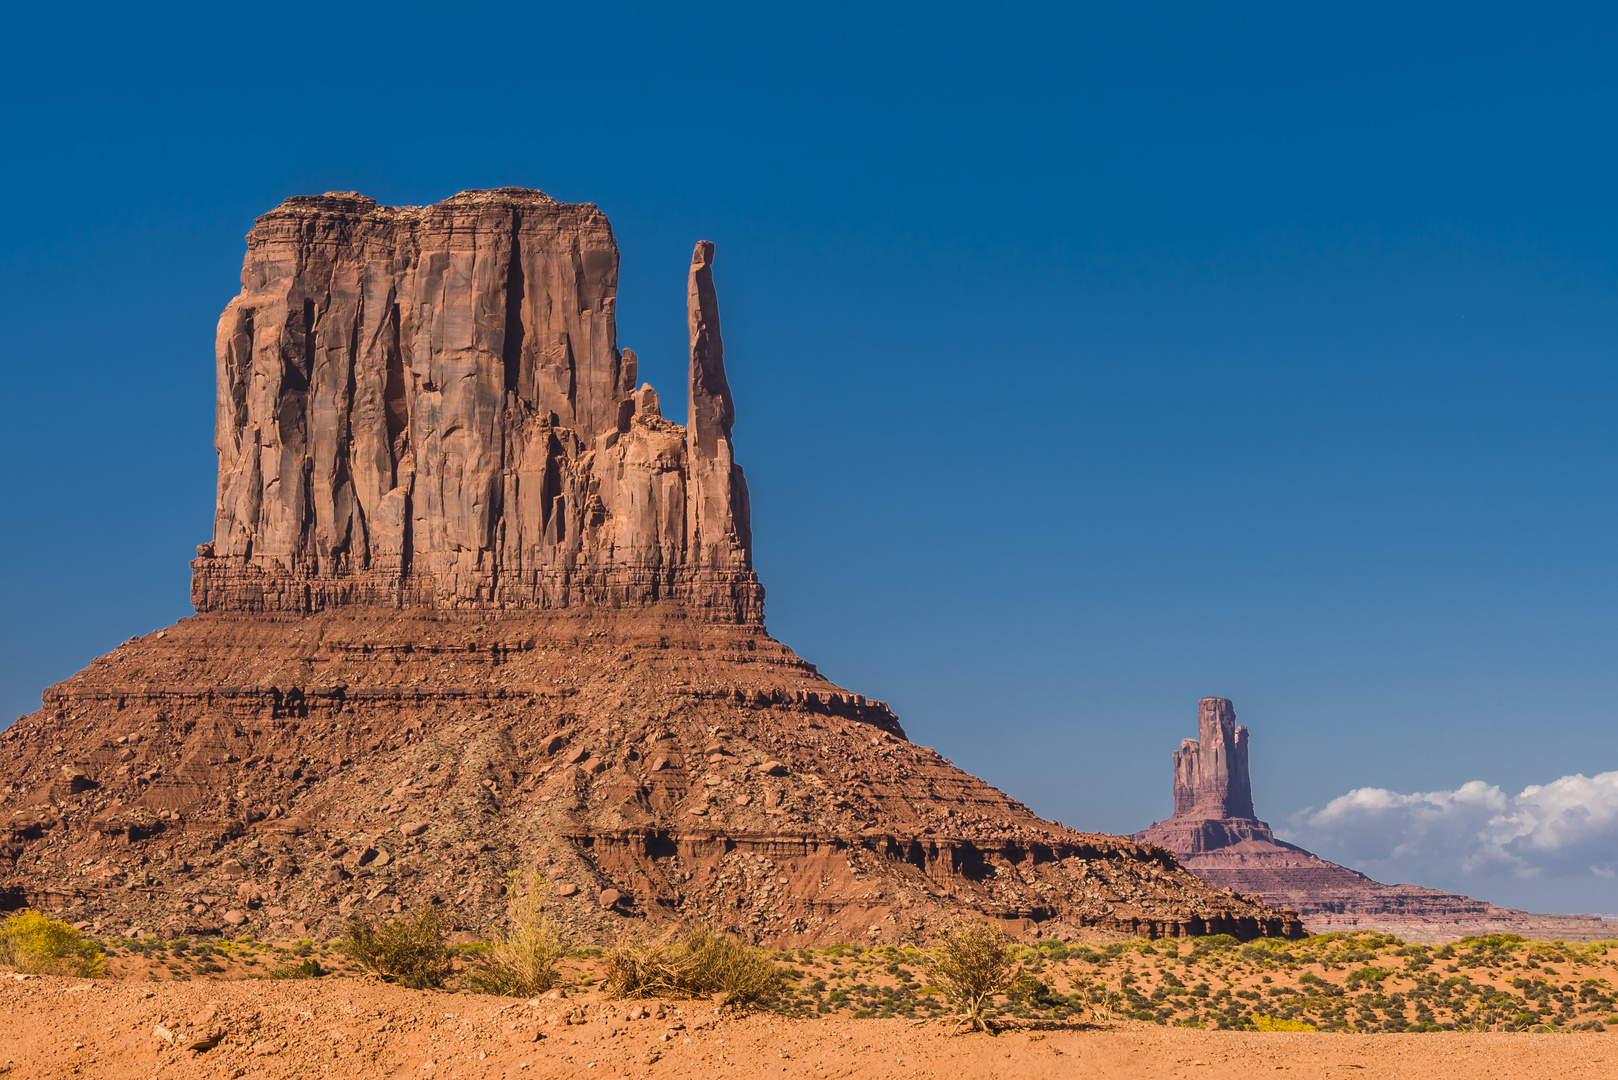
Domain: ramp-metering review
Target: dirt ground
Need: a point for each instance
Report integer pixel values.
(1486, 1007)
(59, 1027)
(1358, 983)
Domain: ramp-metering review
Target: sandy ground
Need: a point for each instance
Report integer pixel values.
(58, 1027)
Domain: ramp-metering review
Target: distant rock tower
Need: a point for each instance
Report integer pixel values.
(1216, 835)
(1210, 772)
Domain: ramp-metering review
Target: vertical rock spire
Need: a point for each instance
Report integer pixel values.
(717, 524)
(1210, 772)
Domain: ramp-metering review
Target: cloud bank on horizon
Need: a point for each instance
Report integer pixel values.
(1566, 830)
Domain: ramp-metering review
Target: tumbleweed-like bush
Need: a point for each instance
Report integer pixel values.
(410, 952)
(690, 961)
(973, 963)
(522, 962)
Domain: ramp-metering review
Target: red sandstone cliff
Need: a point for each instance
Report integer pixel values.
(427, 407)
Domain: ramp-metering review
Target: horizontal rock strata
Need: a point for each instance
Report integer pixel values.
(686, 768)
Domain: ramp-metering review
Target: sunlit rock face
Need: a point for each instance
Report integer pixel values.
(427, 407)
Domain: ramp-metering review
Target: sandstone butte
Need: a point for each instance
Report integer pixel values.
(1215, 834)
(472, 605)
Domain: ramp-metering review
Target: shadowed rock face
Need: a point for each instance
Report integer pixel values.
(427, 407)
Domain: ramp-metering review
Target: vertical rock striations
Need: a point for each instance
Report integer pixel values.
(1210, 772)
(427, 407)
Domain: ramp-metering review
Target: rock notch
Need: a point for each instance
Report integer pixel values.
(473, 605)
(1216, 835)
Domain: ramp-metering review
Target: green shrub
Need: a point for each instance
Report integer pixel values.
(309, 969)
(1214, 942)
(39, 945)
(523, 962)
(410, 952)
(691, 961)
(1368, 974)
(972, 964)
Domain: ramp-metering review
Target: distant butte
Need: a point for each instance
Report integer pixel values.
(1216, 835)
(472, 604)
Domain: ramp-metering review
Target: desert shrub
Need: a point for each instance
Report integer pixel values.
(1276, 1023)
(1213, 943)
(37, 944)
(522, 963)
(309, 969)
(691, 961)
(972, 964)
(410, 952)
(1368, 974)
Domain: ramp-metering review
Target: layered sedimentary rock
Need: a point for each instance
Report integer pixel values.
(427, 407)
(1216, 835)
(473, 605)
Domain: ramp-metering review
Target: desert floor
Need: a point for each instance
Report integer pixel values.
(56, 1027)
(1480, 1008)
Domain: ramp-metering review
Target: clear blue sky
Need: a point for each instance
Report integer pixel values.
(1087, 360)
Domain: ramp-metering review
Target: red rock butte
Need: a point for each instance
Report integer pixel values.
(474, 605)
(1216, 835)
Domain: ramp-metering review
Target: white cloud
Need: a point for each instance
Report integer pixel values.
(1566, 828)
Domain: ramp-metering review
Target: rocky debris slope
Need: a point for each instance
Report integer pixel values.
(278, 775)
(427, 407)
(473, 605)
(1216, 836)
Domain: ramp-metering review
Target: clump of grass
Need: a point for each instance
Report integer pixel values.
(522, 963)
(410, 952)
(973, 963)
(36, 944)
(692, 961)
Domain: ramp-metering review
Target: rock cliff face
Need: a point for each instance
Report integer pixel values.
(1216, 836)
(427, 407)
(473, 605)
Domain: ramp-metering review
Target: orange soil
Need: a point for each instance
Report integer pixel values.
(60, 1027)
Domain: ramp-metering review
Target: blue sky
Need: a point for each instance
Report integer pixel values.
(1087, 360)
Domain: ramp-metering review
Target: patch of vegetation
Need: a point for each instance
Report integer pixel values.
(692, 961)
(410, 952)
(308, 969)
(522, 963)
(974, 963)
(34, 943)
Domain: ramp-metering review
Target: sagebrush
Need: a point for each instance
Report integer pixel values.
(973, 963)
(410, 952)
(37, 944)
(691, 961)
(522, 962)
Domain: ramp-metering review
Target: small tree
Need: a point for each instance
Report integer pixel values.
(410, 952)
(523, 962)
(972, 964)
